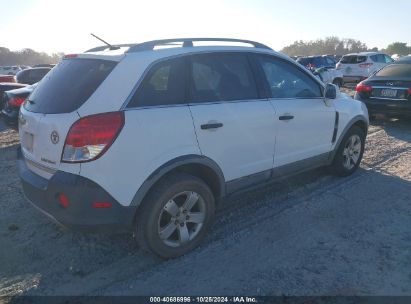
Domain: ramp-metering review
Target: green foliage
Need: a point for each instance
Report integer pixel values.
(399, 48)
(26, 57)
(329, 45)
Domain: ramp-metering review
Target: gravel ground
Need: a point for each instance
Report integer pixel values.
(313, 234)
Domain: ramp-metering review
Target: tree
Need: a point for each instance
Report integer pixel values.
(399, 48)
(27, 57)
(329, 45)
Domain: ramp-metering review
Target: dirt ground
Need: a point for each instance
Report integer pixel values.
(313, 234)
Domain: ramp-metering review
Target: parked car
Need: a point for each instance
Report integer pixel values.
(317, 62)
(404, 59)
(7, 86)
(7, 78)
(32, 75)
(324, 67)
(388, 91)
(359, 66)
(12, 101)
(9, 70)
(44, 65)
(151, 139)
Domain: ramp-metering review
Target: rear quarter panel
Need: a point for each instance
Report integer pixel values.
(150, 138)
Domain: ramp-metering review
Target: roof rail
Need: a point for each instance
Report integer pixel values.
(188, 42)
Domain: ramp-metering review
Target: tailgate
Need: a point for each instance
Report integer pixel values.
(42, 139)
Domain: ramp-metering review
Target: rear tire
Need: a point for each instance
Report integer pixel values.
(175, 216)
(350, 151)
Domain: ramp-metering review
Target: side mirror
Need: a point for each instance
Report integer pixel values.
(330, 91)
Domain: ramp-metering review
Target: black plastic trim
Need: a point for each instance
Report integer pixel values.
(173, 164)
(82, 192)
(337, 119)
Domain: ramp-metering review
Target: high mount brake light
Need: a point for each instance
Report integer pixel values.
(91, 136)
(70, 56)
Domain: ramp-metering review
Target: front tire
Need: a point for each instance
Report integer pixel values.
(338, 82)
(350, 151)
(175, 216)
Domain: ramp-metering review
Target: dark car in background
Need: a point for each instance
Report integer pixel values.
(7, 86)
(12, 101)
(44, 65)
(315, 62)
(31, 76)
(7, 78)
(388, 91)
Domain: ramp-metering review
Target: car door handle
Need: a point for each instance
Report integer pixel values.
(209, 126)
(286, 117)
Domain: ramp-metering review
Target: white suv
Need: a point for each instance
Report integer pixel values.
(359, 66)
(151, 136)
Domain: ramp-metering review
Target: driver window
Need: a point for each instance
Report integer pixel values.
(287, 81)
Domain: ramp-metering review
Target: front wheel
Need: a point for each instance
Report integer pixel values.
(350, 152)
(175, 216)
(338, 82)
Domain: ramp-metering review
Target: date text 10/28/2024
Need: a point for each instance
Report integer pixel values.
(203, 300)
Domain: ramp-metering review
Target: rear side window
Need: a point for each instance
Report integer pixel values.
(353, 59)
(285, 80)
(395, 70)
(67, 86)
(221, 77)
(163, 85)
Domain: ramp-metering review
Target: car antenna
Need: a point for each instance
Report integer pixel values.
(111, 47)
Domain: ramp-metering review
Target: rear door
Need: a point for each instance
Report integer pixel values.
(234, 126)
(304, 122)
(47, 115)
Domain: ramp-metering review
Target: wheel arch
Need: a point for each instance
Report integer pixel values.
(196, 165)
(359, 121)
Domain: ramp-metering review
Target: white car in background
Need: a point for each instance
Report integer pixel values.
(9, 70)
(359, 66)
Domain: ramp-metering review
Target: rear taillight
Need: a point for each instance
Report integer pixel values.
(409, 91)
(89, 137)
(16, 101)
(365, 65)
(363, 88)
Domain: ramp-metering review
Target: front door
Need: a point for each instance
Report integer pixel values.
(304, 122)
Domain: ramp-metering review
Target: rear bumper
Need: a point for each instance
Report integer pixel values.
(386, 107)
(82, 192)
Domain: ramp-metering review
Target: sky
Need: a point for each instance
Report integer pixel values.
(64, 26)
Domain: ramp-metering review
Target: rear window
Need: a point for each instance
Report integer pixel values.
(66, 87)
(353, 59)
(395, 70)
